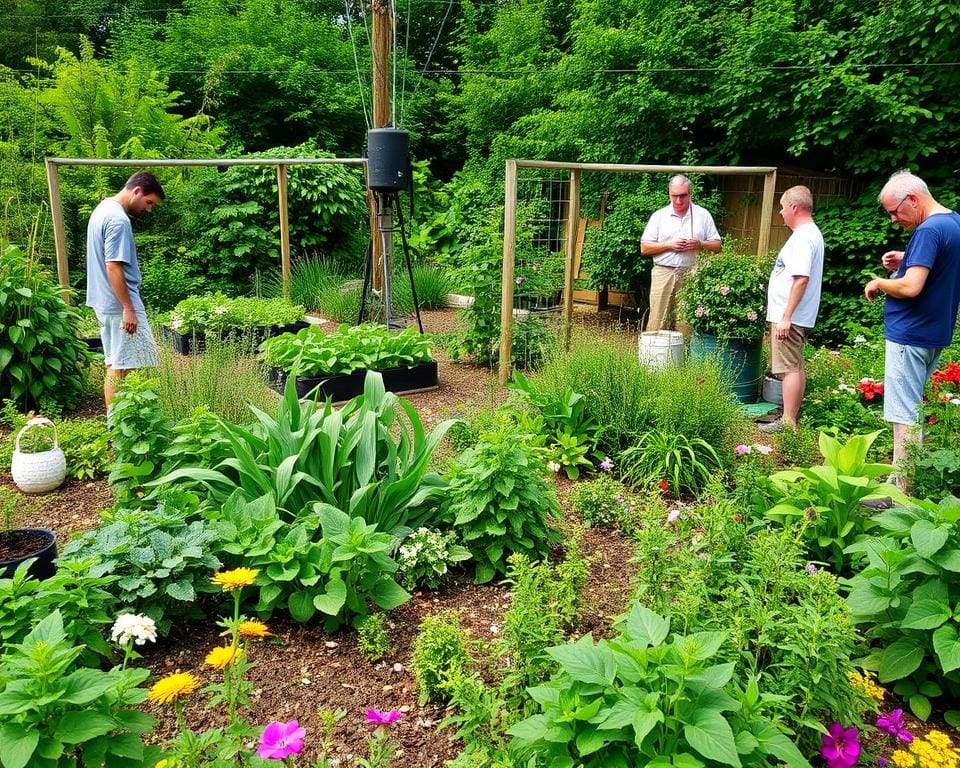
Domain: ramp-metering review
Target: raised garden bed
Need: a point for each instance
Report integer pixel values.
(418, 378)
(192, 343)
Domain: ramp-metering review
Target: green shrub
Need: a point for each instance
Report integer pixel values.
(162, 562)
(598, 501)
(500, 502)
(425, 556)
(432, 284)
(310, 278)
(372, 638)
(439, 654)
(42, 360)
(139, 435)
(626, 399)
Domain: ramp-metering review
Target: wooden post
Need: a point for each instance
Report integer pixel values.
(284, 229)
(509, 255)
(59, 233)
(381, 30)
(573, 219)
(766, 213)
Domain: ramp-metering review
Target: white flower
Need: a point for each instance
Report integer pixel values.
(553, 466)
(764, 449)
(494, 629)
(955, 401)
(673, 516)
(860, 339)
(131, 626)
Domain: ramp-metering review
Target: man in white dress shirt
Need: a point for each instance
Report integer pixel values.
(673, 237)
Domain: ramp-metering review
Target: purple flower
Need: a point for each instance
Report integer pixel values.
(840, 746)
(894, 725)
(742, 450)
(521, 280)
(882, 762)
(280, 740)
(377, 717)
(607, 464)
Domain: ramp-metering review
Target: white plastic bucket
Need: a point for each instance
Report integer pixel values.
(659, 348)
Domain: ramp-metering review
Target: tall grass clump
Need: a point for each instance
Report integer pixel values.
(310, 278)
(433, 284)
(628, 399)
(225, 378)
(341, 302)
(339, 299)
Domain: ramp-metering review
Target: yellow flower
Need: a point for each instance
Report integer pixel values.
(235, 579)
(939, 739)
(903, 759)
(253, 628)
(162, 763)
(173, 687)
(222, 656)
(866, 684)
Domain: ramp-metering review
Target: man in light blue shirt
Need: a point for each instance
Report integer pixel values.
(113, 280)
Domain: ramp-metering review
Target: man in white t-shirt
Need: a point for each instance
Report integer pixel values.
(673, 237)
(793, 300)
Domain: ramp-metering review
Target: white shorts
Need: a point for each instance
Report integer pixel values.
(126, 351)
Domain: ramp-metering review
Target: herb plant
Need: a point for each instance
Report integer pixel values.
(500, 502)
(905, 596)
(425, 555)
(598, 501)
(649, 692)
(54, 712)
(139, 436)
(439, 654)
(372, 638)
(217, 312)
(368, 346)
(41, 358)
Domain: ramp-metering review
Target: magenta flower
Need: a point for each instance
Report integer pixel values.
(377, 717)
(607, 464)
(840, 746)
(742, 450)
(894, 725)
(280, 740)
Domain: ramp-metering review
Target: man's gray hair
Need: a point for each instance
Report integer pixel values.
(799, 196)
(903, 183)
(679, 181)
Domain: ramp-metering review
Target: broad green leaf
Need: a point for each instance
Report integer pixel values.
(920, 706)
(529, 731)
(947, 647)
(333, 599)
(925, 614)
(899, 660)
(710, 735)
(388, 594)
(586, 662)
(645, 626)
(301, 606)
(645, 721)
(17, 744)
(78, 727)
(928, 538)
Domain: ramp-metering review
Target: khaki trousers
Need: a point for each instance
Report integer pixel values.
(665, 282)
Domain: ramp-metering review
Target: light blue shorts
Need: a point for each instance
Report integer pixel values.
(905, 373)
(125, 351)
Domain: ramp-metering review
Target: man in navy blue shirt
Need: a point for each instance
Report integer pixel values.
(923, 293)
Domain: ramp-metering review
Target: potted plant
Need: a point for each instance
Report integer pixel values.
(336, 363)
(20, 544)
(88, 329)
(724, 300)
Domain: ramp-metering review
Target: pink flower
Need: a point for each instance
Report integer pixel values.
(742, 450)
(764, 449)
(607, 464)
(700, 311)
(894, 725)
(280, 740)
(811, 569)
(751, 315)
(673, 515)
(724, 290)
(841, 746)
(377, 717)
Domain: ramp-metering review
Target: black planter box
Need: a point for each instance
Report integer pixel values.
(94, 343)
(348, 385)
(192, 343)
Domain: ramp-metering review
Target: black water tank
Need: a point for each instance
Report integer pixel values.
(387, 165)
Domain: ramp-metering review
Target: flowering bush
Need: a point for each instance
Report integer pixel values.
(726, 296)
(424, 558)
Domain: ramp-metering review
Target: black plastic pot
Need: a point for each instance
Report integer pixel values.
(345, 386)
(19, 544)
(192, 343)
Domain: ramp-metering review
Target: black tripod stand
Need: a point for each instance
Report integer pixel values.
(385, 202)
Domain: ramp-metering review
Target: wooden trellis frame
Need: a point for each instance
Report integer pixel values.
(573, 214)
(56, 207)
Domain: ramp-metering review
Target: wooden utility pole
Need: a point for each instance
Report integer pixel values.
(381, 214)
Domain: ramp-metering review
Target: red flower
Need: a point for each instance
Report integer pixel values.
(737, 518)
(664, 486)
(932, 420)
(949, 374)
(870, 388)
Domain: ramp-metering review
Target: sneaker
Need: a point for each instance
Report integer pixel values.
(772, 426)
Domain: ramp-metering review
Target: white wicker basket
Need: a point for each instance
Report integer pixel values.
(38, 472)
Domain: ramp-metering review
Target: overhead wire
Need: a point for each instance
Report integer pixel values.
(406, 53)
(356, 64)
(433, 46)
